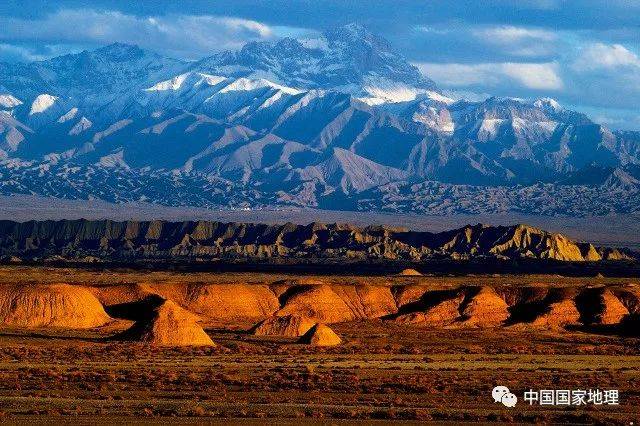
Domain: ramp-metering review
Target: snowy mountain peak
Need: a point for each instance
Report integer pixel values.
(90, 77)
(349, 59)
(120, 52)
(356, 34)
(549, 104)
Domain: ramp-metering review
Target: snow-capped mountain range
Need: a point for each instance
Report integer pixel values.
(309, 122)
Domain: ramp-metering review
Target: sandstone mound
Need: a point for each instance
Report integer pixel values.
(231, 301)
(320, 335)
(612, 311)
(51, 305)
(111, 295)
(409, 273)
(288, 326)
(600, 306)
(169, 325)
(558, 314)
(484, 308)
(317, 302)
(444, 313)
(279, 287)
(367, 301)
(440, 308)
(546, 308)
(527, 241)
(524, 296)
(408, 294)
(630, 298)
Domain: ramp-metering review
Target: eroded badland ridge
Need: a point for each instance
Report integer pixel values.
(104, 240)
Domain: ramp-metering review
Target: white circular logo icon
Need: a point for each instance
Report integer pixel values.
(503, 395)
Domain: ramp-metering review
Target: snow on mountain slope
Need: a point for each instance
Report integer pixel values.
(497, 141)
(70, 115)
(348, 59)
(247, 84)
(80, 126)
(526, 141)
(229, 99)
(12, 134)
(548, 104)
(174, 83)
(8, 101)
(42, 103)
(100, 82)
(432, 112)
(117, 68)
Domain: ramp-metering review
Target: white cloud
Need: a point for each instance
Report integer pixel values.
(18, 53)
(458, 75)
(510, 34)
(429, 29)
(617, 119)
(494, 42)
(606, 56)
(534, 76)
(543, 76)
(180, 35)
(518, 41)
(605, 76)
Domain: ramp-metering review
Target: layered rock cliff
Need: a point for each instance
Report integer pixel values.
(203, 240)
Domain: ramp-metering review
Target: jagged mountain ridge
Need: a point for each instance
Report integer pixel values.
(89, 77)
(321, 121)
(108, 240)
(349, 59)
(298, 135)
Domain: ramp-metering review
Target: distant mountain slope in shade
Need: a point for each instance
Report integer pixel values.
(108, 240)
(338, 121)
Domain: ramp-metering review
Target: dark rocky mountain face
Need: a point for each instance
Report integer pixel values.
(338, 121)
(119, 241)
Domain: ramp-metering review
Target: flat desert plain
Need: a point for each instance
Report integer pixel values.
(124, 346)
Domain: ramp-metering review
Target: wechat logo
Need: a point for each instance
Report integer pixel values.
(503, 394)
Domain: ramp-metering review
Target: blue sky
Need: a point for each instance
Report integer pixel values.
(585, 53)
